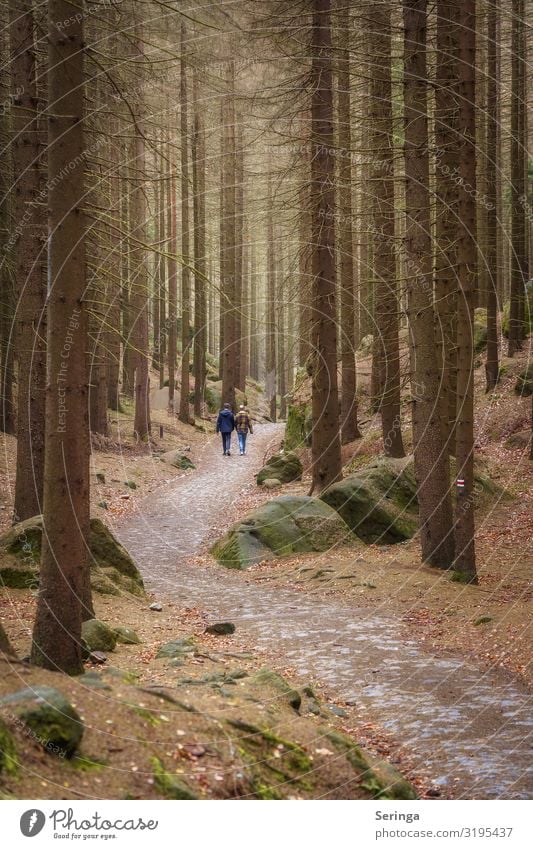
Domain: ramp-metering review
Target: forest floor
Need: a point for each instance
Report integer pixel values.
(335, 621)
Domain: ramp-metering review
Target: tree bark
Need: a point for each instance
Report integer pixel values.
(326, 444)
(227, 304)
(200, 294)
(431, 459)
(28, 210)
(185, 242)
(386, 344)
(347, 268)
(465, 560)
(491, 249)
(140, 288)
(447, 206)
(64, 587)
(518, 183)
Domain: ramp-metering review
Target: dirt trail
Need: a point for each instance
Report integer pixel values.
(468, 729)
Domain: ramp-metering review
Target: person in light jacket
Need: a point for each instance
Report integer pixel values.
(243, 426)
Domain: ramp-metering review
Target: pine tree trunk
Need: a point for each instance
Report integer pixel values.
(326, 444)
(491, 255)
(447, 206)
(185, 243)
(431, 459)
(271, 347)
(172, 284)
(518, 183)
(465, 561)
(348, 282)
(229, 363)
(64, 587)
(386, 344)
(112, 319)
(140, 288)
(30, 224)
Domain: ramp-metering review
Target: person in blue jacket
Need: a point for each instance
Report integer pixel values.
(225, 426)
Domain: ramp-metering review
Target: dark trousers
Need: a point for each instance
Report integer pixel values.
(226, 442)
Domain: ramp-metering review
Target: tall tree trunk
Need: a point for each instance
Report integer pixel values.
(200, 294)
(465, 561)
(518, 183)
(326, 444)
(30, 225)
(431, 458)
(185, 242)
(386, 344)
(304, 275)
(491, 250)
(64, 588)
(348, 284)
(112, 333)
(172, 283)
(239, 256)
(270, 341)
(447, 206)
(140, 287)
(229, 363)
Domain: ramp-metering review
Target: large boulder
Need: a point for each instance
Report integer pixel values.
(284, 467)
(53, 721)
(378, 502)
(112, 568)
(283, 526)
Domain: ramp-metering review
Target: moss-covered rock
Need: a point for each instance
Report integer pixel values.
(285, 467)
(283, 526)
(273, 686)
(49, 716)
(97, 636)
(127, 636)
(112, 568)
(298, 427)
(271, 483)
(177, 648)
(378, 502)
(378, 777)
(8, 751)
(524, 381)
(169, 785)
(177, 459)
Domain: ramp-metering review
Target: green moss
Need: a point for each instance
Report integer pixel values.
(266, 791)
(170, 785)
(482, 620)
(297, 430)
(8, 751)
(85, 764)
(379, 778)
(462, 578)
(18, 579)
(145, 713)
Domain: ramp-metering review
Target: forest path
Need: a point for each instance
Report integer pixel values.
(467, 728)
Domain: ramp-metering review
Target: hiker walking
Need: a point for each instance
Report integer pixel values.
(243, 425)
(225, 426)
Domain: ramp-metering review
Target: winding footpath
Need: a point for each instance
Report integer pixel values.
(465, 727)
